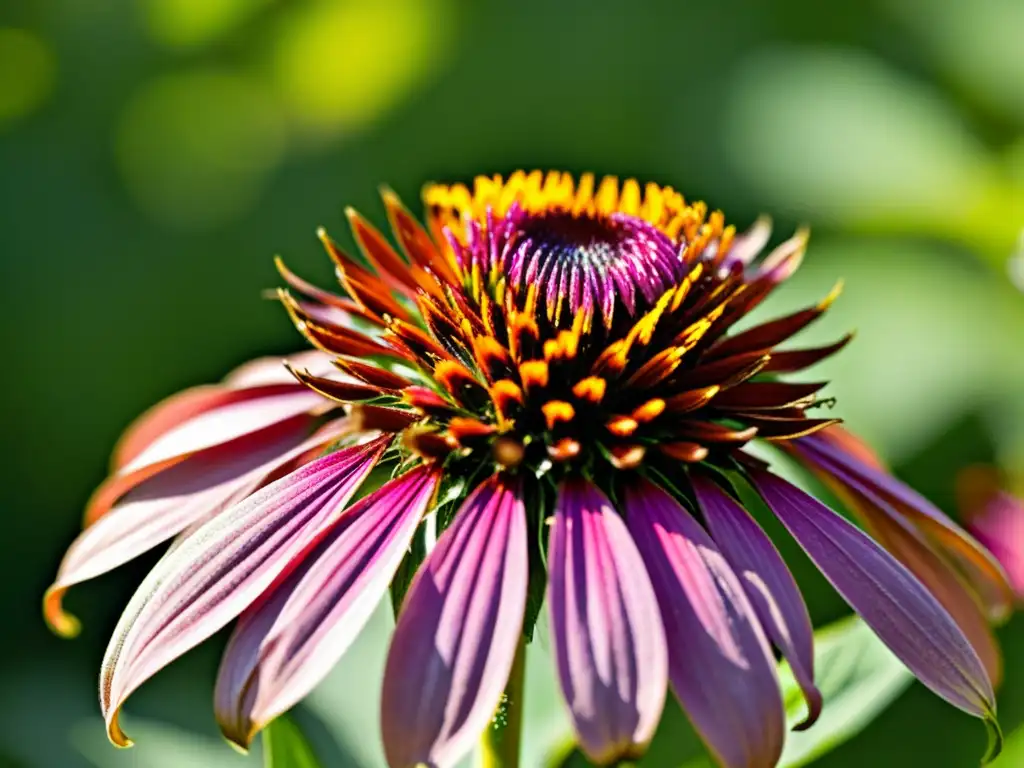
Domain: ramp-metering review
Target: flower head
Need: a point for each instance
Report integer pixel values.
(549, 378)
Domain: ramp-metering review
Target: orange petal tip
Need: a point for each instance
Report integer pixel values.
(61, 623)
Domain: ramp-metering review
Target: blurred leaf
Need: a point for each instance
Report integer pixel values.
(858, 676)
(284, 746)
(341, 66)
(196, 148)
(33, 61)
(1013, 751)
(837, 133)
(977, 44)
(194, 23)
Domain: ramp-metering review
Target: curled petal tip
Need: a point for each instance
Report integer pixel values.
(815, 703)
(60, 621)
(117, 737)
(240, 745)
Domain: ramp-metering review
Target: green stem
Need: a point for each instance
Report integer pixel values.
(499, 744)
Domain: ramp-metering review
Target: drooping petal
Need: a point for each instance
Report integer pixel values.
(911, 548)
(172, 501)
(768, 583)
(608, 639)
(218, 571)
(288, 640)
(458, 631)
(720, 665)
(904, 615)
(260, 408)
(978, 566)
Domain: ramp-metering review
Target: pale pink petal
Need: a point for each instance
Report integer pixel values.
(904, 615)
(457, 633)
(168, 414)
(173, 501)
(608, 640)
(287, 641)
(260, 408)
(720, 664)
(264, 408)
(218, 571)
(768, 583)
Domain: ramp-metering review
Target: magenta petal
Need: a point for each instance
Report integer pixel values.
(609, 644)
(904, 615)
(458, 632)
(720, 664)
(214, 574)
(768, 583)
(999, 525)
(288, 640)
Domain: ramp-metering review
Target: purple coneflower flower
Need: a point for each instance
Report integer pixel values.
(996, 518)
(548, 379)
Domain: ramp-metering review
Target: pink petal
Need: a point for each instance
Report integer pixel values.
(287, 641)
(904, 615)
(999, 524)
(768, 583)
(214, 574)
(166, 415)
(609, 644)
(458, 632)
(263, 408)
(982, 571)
(720, 665)
(174, 500)
(257, 409)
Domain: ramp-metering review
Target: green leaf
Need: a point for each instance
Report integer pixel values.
(284, 746)
(1013, 751)
(858, 676)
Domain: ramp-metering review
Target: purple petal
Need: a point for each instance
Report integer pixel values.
(768, 583)
(609, 643)
(981, 570)
(287, 641)
(214, 574)
(720, 664)
(458, 631)
(904, 615)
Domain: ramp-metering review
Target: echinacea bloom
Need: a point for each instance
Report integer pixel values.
(549, 379)
(996, 518)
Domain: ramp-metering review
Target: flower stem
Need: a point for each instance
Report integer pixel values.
(499, 744)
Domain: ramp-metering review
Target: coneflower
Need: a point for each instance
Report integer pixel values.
(547, 382)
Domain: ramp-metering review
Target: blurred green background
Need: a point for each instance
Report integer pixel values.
(155, 155)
